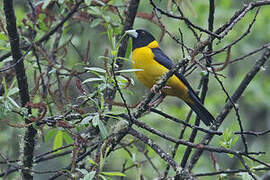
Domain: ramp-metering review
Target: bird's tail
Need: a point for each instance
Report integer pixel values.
(196, 105)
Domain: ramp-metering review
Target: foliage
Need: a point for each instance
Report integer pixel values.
(83, 93)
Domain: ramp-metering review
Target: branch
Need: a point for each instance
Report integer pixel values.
(157, 149)
(29, 137)
(228, 106)
(50, 33)
(223, 31)
(234, 171)
(187, 21)
(110, 94)
(129, 21)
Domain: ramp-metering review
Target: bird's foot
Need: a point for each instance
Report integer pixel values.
(154, 89)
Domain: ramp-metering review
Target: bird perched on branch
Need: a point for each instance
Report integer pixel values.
(147, 55)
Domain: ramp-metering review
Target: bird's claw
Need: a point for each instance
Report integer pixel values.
(154, 89)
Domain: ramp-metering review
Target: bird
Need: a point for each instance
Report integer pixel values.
(154, 63)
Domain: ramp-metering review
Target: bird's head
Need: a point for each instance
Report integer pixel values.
(140, 38)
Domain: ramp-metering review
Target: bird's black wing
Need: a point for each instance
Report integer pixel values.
(197, 106)
(164, 60)
(161, 58)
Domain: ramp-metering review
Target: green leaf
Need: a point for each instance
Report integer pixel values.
(13, 91)
(104, 57)
(41, 22)
(102, 86)
(235, 140)
(107, 18)
(102, 128)
(61, 1)
(95, 22)
(92, 80)
(50, 134)
(45, 4)
(102, 101)
(4, 49)
(95, 11)
(111, 38)
(90, 175)
(103, 177)
(204, 73)
(129, 70)
(13, 103)
(58, 140)
(122, 58)
(86, 120)
(92, 161)
(113, 174)
(67, 138)
(83, 171)
(129, 48)
(114, 52)
(100, 2)
(87, 2)
(96, 69)
(95, 120)
(3, 37)
(230, 155)
(5, 87)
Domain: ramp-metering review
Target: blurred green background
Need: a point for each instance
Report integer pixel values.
(253, 105)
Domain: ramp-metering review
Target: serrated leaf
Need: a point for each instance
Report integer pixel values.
(113, 174)
(96, 69)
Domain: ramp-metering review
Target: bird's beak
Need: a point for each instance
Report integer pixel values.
(132, 33)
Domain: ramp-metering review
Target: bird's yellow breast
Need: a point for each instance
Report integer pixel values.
(143, 58)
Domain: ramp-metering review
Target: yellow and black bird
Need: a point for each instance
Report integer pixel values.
(147, 55)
